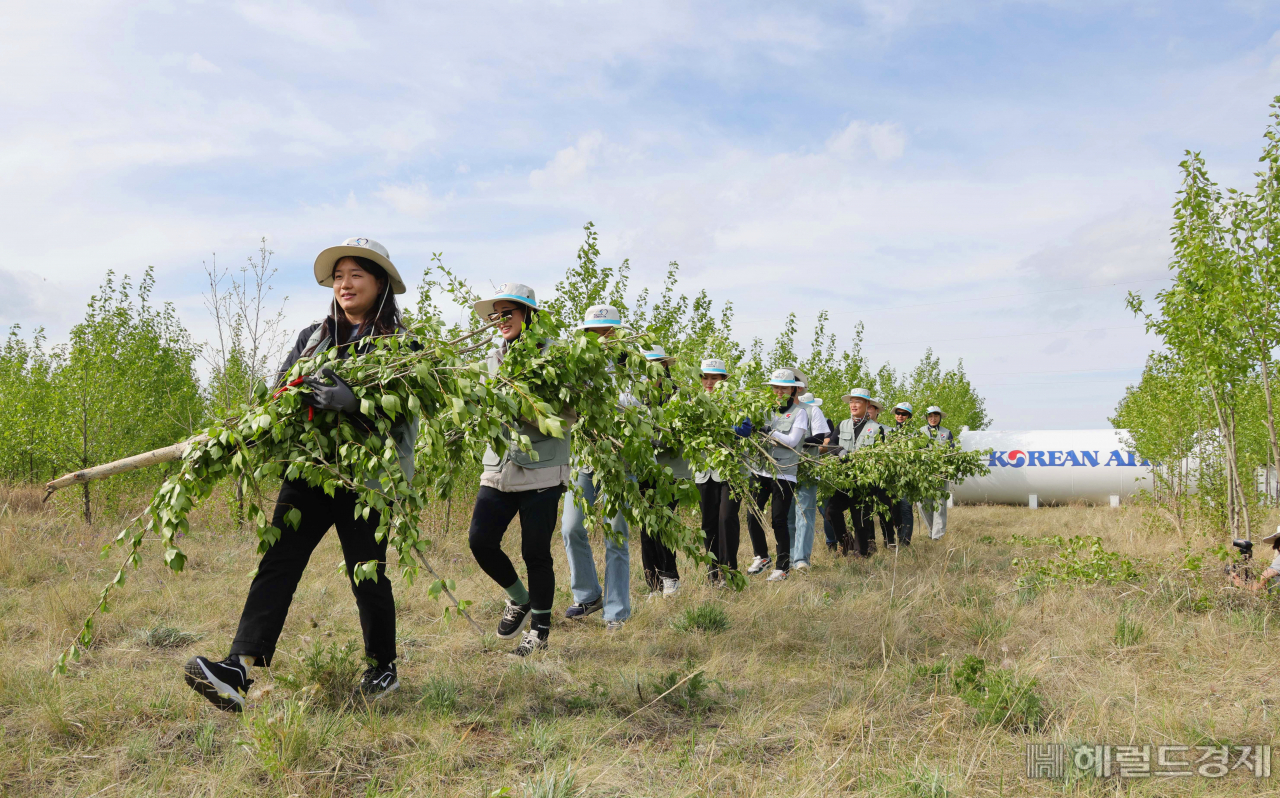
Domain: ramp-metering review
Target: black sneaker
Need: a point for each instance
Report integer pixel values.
(225, 684)
(513, 619)
(580, 610)
(377, 681)
(531, 642)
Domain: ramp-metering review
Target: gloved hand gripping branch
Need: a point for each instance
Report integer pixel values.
(326, 396)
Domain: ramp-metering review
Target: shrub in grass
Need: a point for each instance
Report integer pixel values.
(709, 617)
(1001, 697)
(1128, 632)
(332, 670)
(439, 695)
(169, 637)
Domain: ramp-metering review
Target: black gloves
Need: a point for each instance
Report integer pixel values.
(335, 396)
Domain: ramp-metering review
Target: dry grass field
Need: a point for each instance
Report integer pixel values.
(846, 681)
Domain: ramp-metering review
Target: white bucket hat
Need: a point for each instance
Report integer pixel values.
(801, 380)
(657, 354)
(1271, 538)
(935, 409)
(905, 406)
(810, 399)
(601, 316)
(857, 393)
(357, 248)
(714, 365)
(512, 292)
(878, 404)
(785, 378)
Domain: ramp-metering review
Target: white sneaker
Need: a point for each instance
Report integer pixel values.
(801, 565)
(670, 586)
(758, 564)
(777, 576)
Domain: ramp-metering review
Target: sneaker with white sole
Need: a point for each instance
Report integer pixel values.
(378, 681)
(531, 642)
(758, 564)
(801, 565)
(613, 626)
(225, 684)
(776, 576)
(579, 609)
(669, 586)
(514, 617)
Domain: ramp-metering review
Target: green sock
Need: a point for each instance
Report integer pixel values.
(518, 593)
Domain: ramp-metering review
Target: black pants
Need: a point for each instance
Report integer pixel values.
(904, 520)
(493, 513)
(828, 529)
(863, 527)
(887, 518)
(720, 526)
(657, 560)
(281, 567)
(779, 493)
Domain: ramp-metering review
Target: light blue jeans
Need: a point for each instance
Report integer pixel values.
(583, 579)
(801, 522)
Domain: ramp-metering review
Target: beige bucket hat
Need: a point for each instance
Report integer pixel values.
(357, 248)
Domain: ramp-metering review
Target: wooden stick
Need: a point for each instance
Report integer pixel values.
(165, 455)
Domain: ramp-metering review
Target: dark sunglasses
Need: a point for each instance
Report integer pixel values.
(501, 314)
(901, 413)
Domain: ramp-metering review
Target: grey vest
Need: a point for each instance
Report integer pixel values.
(788, 460)
(850, 444)
(941, 434)
(550, 451)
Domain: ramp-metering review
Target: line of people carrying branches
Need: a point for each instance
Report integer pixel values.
(530, 484)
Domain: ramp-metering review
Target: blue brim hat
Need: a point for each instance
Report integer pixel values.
(511, 292)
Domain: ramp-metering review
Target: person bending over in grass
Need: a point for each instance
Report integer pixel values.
(364, 283)
(517, 483)
(1269, 579)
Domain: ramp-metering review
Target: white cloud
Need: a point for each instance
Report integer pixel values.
(569, 164)
(199, 65)
(413, 199)
(885, 140)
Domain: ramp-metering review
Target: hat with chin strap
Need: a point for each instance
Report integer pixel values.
(510, 292)
(357, 248)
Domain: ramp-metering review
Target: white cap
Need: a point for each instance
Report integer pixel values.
(878, 404)
(657, 353)
(714, 365)
(357, 248)
(512, 292)
(935, 409)
(600, 316)
(785, 378)
(810, 399)
(857, 393)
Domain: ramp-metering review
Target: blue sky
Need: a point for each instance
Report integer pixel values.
(985, 178)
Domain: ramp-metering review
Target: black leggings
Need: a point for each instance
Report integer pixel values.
(863, 522)
(781, 492)
(720, 523)
(271, 591)
(538, 510)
